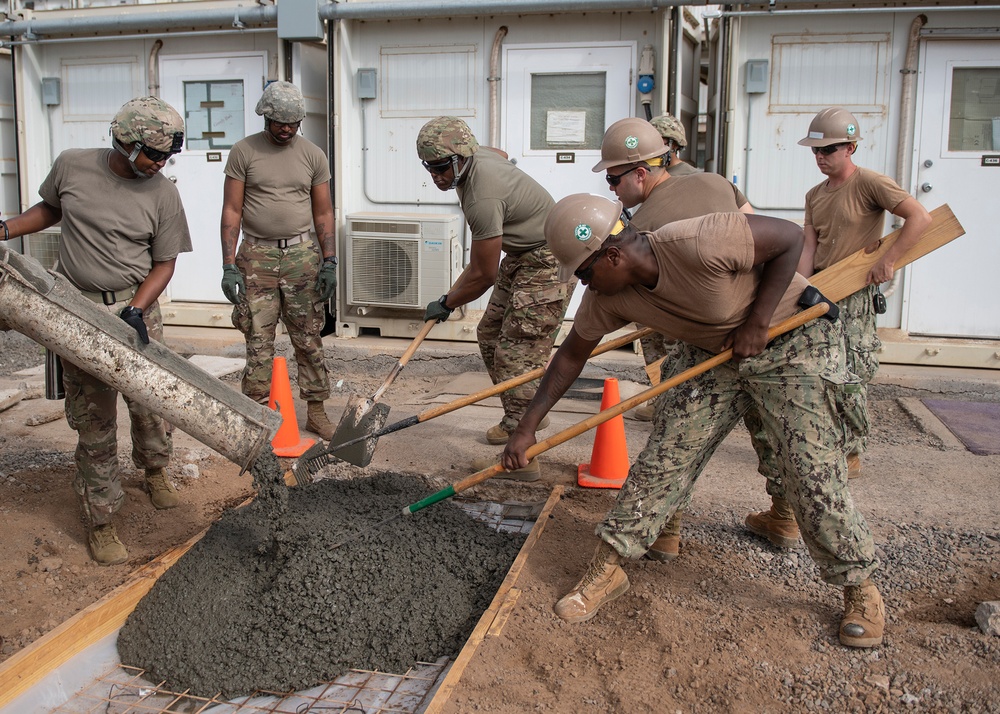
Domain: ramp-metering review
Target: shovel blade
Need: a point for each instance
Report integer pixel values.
(361, 417)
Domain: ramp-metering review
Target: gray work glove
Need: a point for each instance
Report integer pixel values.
(326, 284)
(233, 285)
(437, 311)
(133, 316)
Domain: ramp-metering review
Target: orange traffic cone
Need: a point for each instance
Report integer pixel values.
(609, 462)
(287, 442)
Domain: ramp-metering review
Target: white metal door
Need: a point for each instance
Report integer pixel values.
(951, 292)
(558, 101)
(217, 95)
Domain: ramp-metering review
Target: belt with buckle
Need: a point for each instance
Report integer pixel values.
(110, 297)
(280, 243)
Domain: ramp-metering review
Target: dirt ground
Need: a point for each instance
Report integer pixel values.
(732, 625)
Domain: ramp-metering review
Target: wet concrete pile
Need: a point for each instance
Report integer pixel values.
(267, 601)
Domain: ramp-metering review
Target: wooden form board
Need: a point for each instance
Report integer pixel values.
(493, 619)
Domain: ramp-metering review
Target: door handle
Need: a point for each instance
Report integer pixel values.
(926, 187)
(173, 179)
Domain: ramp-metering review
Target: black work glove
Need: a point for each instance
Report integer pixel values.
(326, 283)
(233, 284)
(133, 316)
(437, 310)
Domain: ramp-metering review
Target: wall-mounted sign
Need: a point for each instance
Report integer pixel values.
(565, 157)
(990, 160)
(564, 126)
(212, 156)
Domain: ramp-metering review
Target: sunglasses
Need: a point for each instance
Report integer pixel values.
(156, 156)
(586, 273)
(827, 150)
(438, 168)
(614, 180)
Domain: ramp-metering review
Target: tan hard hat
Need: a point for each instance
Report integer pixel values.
(670, 129)
(629, 141)
(833, 125)
(577, 226)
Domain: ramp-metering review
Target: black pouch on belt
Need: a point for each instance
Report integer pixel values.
(811, 296)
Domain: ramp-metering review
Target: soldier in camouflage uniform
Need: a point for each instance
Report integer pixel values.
(675, 139)
(506, 211)
(123, 226)
(277, 186)
(716, 282)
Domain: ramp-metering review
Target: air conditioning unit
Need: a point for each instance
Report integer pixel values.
(402, 259)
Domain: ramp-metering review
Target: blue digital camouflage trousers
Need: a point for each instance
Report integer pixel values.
(92, 411)
(795, 386)
(281, 284)
(857, 315)
(520, 325)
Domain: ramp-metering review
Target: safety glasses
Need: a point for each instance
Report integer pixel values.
(587, 272)
(156, 156)
(828, 150)
(439, 167)
(614, 180)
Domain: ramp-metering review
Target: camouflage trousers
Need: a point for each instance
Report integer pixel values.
(521, 322)
(657, 346)
(795, 386)
(281, 284)
(92, 411)
(857, 315)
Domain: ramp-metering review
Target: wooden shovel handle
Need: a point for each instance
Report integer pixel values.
(404, 358)
(503, 386)
(611, 412)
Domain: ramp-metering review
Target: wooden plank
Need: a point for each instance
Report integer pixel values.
(847, 276)
(89, 626)
(447, 686)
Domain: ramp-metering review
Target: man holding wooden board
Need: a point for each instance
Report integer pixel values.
(844, 214)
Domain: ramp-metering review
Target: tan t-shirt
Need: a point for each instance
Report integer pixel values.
(689, 197)
(683, 169)
(500, 199)
(113, 228)
(706, 287)
(277, 200)
(851, 216)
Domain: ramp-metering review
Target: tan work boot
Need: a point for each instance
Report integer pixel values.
(667, 545)
(317, 421)
(645, 412)
(777, 524)
(161, 492)
(531, 472)
(864, 616)
(497, 435)
(105, 548)
(604, 581)
(853, 465)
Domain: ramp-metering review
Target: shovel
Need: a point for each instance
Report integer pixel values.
(313, 460)
(364, 416)
(781, 328)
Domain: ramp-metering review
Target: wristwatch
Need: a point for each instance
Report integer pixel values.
(331, 259)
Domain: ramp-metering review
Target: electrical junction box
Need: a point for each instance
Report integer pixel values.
(757, 76)
(51, 91)
(402, 260)
(367, 87)
(298, 20)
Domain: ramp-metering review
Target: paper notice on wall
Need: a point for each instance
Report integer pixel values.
(565, 126)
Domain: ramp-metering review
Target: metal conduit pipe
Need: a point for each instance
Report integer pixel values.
(140, 22)
(153, 69)
(849, 10)
(494, 83)
(906, 111)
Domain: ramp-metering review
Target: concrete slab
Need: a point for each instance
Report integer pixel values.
(217, 366)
